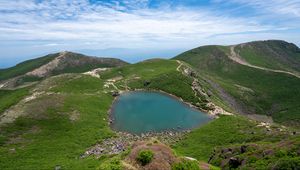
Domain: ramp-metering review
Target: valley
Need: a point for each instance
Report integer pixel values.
(55, 110)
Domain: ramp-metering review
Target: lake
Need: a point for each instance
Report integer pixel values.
(142, 111)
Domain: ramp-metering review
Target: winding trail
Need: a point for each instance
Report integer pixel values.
(180, 64)
(235, 57)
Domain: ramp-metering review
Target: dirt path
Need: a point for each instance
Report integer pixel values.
(128, 166)
(180, 64)
(235, 57)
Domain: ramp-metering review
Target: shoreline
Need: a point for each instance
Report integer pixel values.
(123, 141)
(111, 119)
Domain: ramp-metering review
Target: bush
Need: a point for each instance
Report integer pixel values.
(112, 164)
(186, 165)
(287, 163)
(145, 157)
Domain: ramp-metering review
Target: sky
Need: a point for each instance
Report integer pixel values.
(134, 30)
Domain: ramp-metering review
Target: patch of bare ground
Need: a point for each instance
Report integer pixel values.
(162, 160)
(33, 106)
(96, 72)
(12, 84)
(204, 166)
(74, 116)
(46, 69)
(37, 108)
(19, 138)
(53, 81)
(239, 108)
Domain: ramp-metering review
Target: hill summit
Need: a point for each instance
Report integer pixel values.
(54, 64)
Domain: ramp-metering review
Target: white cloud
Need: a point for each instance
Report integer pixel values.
(290, 8)
(131, 24)
(79, 20)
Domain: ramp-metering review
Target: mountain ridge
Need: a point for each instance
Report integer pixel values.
(53, 64)
(62, 120)
(257, 89)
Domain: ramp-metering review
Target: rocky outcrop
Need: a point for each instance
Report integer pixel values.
(116, 145)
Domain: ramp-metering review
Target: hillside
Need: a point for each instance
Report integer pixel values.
(53, 64)
(250, 90)
(62, 120)
(272, 54)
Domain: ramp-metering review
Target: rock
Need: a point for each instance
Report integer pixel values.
(192, 74)
(57, 167)
(146, 83)
(243, 148)
(115, 94)
(226, 150)
(268, 152)
(234, 162)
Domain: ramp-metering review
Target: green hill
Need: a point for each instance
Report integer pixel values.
(24, 67)
(53, 64)
(53, 123)
(273, 54)
(246, 89)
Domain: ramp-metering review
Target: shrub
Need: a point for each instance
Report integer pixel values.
(287, 163)
(112, 164)
(186, 165)
(145, 157)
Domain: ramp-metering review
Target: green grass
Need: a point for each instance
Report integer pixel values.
(145, 70)
(261, 155)
(58, 128)
(9, 98)
(268, 93)
(80, 85)
(161, 74)
(186, 165)
(25, 67)
(271, 54)
(226, 130)
(260, 59)
(58, 140)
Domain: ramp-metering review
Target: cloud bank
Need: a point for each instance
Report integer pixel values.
(32, 25)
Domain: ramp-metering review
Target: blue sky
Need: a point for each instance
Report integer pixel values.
(139, 29)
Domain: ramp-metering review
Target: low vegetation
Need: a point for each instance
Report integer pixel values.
(70, 114)
(253, 90)
(227, 130)
(58, 128)
(25, 67)
(261, 155)
(9, 98)
(145, 157)
(186, 165)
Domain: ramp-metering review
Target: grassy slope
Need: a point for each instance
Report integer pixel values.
(11, 97)
(233, 132)
(47, 137)
(266, 92)
(272, 54)
(226, 130)
(25, 67)
(72, 63)
(78, 63)
(161, 74)
(262, 155)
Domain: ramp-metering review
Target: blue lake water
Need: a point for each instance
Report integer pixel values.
(141, 112)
